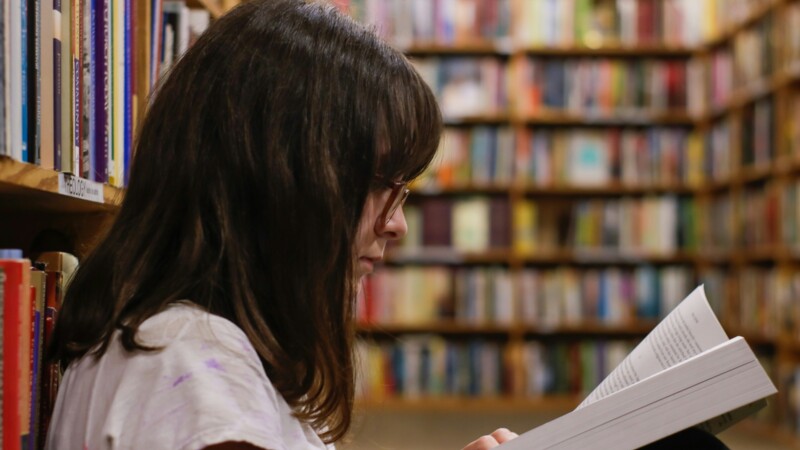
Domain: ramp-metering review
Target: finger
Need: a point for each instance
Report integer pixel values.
(482, 443)
(503, 434)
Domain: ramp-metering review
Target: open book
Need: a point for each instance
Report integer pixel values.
(685, 373)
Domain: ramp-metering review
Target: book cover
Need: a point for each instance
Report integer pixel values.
(685, 373)
(59, 268)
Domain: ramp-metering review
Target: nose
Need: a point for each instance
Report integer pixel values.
(395, 229)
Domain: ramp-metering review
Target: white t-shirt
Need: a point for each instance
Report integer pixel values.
(205, 387)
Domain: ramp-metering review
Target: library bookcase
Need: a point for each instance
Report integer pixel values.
(544, 187)
(606, 171)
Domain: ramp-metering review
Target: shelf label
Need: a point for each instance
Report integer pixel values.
(80, 188)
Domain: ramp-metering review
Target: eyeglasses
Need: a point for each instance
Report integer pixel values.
(397, 197)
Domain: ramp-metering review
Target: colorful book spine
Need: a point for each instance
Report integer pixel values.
(88, 36)
(58, 73)
(67, 99)
(16, 352)
(100, 87)
(128, 88)
(23, 43)
(34, 75)
(76, 87)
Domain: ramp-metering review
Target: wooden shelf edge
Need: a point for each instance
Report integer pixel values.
(35, 180)
(592, 327)
(211, 6)
(552, 403)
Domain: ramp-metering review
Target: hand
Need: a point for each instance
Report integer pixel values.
(497, 437)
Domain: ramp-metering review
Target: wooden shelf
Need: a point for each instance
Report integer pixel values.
(449, 327)
(589, 118)
(610, 189)
(446, 255)
(460, 190)
(213, 7)
(483, 119)
(28, 187)
(609, 257)
(476, 47)
(610, 50)
(594, 328)
(585, 328)
(553, 403)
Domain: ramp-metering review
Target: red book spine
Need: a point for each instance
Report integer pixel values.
(16, 288)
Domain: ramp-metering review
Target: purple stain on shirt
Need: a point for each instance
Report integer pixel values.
(181, 379)
(212, 363)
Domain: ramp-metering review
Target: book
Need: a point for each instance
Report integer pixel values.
(59, 267)
(16, 351)
(685, 373)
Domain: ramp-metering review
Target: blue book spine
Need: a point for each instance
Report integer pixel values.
(24, 48)
(128, 93)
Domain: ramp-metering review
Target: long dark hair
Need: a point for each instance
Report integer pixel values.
(251, 170)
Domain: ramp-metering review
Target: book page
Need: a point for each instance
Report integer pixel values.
(691, 328)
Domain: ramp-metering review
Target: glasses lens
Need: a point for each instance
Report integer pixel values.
(397, 199)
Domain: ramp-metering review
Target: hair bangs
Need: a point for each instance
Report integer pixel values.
(412, 127)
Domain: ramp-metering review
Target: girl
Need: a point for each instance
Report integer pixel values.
(269, 174)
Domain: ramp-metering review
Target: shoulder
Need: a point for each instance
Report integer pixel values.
(203, 386)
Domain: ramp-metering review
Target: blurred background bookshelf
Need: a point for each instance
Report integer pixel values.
(600, 159)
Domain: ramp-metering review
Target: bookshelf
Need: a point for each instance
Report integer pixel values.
(742, 199)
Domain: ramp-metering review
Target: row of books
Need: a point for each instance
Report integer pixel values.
(467, 224)
(543, 298)
(466, 86)
(603, 86)
(609, 23)
(754, 51)
(651, 225)
(442, 22)
(596, 88)
(789, 393)
(764, 302)
(30, 296)
(760, 216)
(557, 23)
(541, 157)
(429, 366)
(471, 156)
(417, 366)
(72, 83)
(602, 156)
